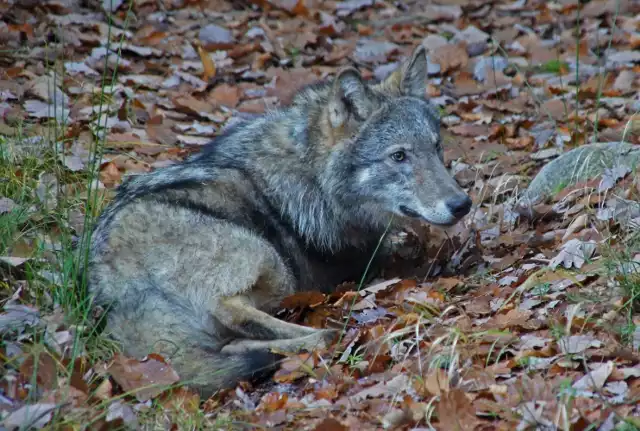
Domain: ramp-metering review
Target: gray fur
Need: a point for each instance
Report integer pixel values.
(191, 259)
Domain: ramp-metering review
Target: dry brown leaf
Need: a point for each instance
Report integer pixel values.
(252, 60)
(208, 66)
(294, 367)
(146, 379)
(595, 380)
(110, 176)
(392, 388)
(303, 300)
(451, 57)
(574, 253)
(273, 401)
(330, 424)
(447, 283)
(437, 382)
(514, 317)
(41, 366)
(455, 411)
(578, 343)
(479, 306)
(180, 400)
(471, 130)
(67, 395)
(225, 95)
(558, 109)
(190, 105)
(104, 391)
(160, 131)
(30, 415)
(294, 7)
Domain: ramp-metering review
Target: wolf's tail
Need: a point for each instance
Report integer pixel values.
(209, 371)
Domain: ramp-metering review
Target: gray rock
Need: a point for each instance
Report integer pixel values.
(373, 51)
(471, 34)
(433, 42)
(214, 34)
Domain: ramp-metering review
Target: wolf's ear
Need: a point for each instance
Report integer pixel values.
(349, 96)
(410, 78)
(414, 73)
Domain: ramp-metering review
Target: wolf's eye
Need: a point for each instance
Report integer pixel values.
(398, 156)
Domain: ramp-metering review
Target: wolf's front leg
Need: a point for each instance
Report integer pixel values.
(317, 340)
(239, 313)
(259, 282)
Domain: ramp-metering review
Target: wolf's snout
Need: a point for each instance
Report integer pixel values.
(459, 205)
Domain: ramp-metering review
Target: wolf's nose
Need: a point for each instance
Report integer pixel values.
(459, 206)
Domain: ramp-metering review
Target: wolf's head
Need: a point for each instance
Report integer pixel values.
(387, 152)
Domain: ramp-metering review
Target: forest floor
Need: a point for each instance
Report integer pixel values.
(504, 323)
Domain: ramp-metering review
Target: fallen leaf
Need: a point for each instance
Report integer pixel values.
(294, 367)
(104, 391)
(624, 57)
(346, 8)
(303, 300)
(437, 382)
(208, 66)
(450, 57)
(118, 410)
(392, 388)
(595, 380)
(39, 109)
(225, 95)
(48, 90)
(146, 379)
(180, 400)
(151, 82)
(17, 317)
(295, 7)
(30, 415)
(110, 176)
(330, 424)
(43, 369)
(611, 176)
(577, 343)
(532, 414)
(191, 105)
(574, 253)
(455, 411)
(379, 286)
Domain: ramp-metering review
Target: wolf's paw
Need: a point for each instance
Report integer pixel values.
(329, 336)
(321, 339)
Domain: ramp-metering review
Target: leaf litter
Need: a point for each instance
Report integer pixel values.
(488, 326)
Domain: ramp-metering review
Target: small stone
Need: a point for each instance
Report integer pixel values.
(215, 36)
(472, 35)
(433, 42)
(372, 51)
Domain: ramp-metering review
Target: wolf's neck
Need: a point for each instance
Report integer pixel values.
(293, 171)
(315, 216)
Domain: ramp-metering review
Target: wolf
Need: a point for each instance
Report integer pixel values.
(191, 260)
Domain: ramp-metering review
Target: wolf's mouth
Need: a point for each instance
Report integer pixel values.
(409, 212)
(414, 214)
